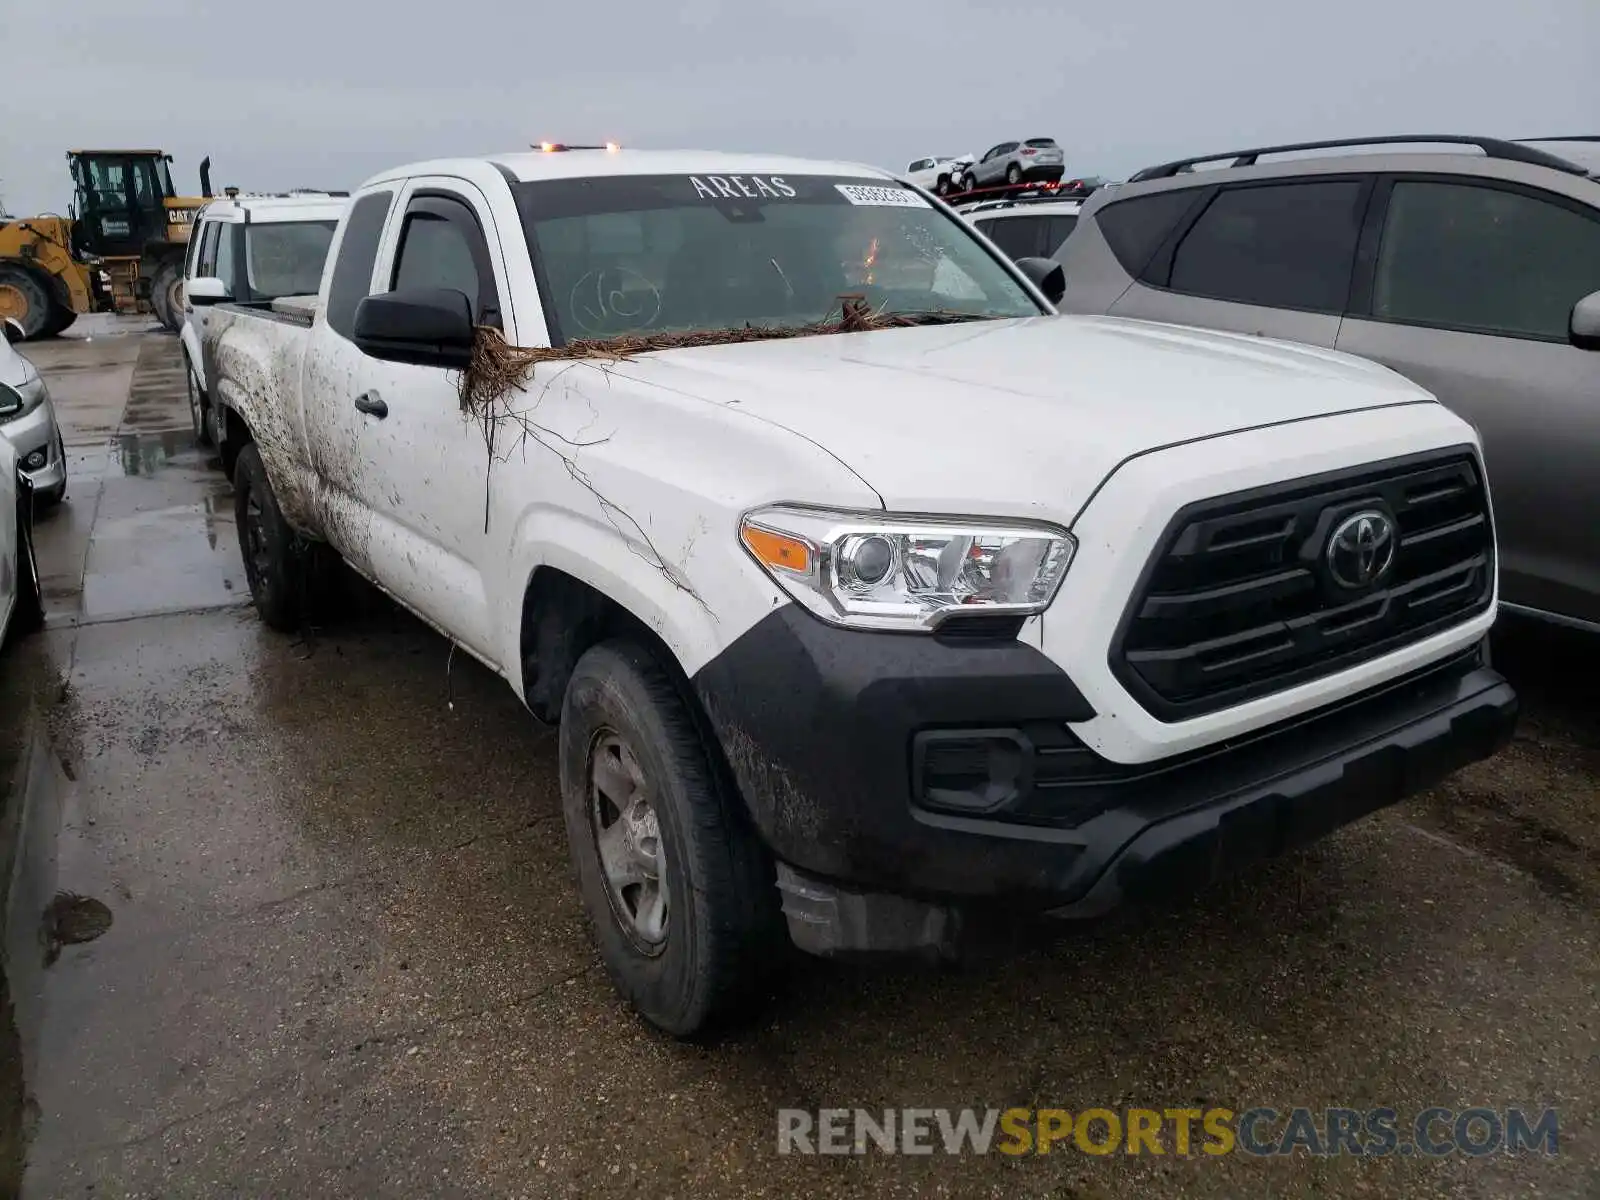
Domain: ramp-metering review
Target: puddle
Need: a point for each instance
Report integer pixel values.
(148, 453)
(167, 559)
(71, 920)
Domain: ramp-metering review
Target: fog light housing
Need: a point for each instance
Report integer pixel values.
(970, 770)
(36, 460)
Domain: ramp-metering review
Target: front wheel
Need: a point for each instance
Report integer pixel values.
(679, 892)
(274, 562)
(25, 299)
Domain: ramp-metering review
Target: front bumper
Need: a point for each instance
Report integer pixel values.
(834, 738)
(36, 434)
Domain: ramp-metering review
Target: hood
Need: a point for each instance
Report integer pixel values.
(1020, 417)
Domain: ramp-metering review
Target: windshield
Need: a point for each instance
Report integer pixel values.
(644, 254)
(286, 258)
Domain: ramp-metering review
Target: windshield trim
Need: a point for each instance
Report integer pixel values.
(525, 195)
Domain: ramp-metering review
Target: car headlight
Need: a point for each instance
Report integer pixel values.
(21, 400)
(881, 571)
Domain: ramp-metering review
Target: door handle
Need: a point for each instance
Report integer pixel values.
(372, 404)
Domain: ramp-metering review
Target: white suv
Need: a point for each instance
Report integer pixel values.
(1024, 226)
(250, 250)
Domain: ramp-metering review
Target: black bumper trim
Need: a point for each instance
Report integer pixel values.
(818, 728)
(1187, 851)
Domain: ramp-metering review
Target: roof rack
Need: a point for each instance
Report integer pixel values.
(1581, 137)
(1491, 147)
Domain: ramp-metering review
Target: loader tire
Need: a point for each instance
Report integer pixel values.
(166, 296)
(25, 298)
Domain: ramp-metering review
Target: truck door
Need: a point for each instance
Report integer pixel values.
(418, 468)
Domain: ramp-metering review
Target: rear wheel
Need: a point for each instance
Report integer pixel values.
(24, 298)
(274, 562)
(166, 295)
(678, 890)
(1013, 174)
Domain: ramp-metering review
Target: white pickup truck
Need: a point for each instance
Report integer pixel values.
(876, 602)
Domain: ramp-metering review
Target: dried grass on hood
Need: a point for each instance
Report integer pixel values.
(498, 368)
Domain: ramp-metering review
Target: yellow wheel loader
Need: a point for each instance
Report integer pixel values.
(121, 250)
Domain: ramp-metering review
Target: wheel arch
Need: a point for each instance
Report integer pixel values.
(563, 613)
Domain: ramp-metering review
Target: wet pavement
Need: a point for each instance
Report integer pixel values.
(346, 957)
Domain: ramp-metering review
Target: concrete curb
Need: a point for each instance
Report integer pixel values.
(29, 824)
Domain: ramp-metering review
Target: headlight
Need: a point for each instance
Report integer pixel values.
(22, 399)
(880, 571)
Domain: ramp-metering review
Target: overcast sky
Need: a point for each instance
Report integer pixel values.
(322, 93)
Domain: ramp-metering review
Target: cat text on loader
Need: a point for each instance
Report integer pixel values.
(121, 250)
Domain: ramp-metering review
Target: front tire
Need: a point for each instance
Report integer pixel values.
(274, 562)
(25, 298)
(678, 891)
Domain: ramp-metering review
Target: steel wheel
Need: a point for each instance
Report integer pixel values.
(627, 834)
(257, 552)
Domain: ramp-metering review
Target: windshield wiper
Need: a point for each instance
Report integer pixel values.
(932, 317)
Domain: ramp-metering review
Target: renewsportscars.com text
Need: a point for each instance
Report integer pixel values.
(1378, 1132)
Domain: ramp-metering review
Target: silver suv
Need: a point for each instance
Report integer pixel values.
(1472, 268)
(1026, 161)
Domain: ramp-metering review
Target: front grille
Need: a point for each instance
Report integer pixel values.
(1240, 599)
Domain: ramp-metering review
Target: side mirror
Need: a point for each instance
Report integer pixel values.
(14, 331)
(207, 289)
(1046, 275)
(427, 327)
(1583, 328)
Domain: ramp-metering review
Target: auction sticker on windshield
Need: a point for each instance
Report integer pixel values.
(886, 197)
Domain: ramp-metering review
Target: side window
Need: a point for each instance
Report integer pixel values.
(207, 265)
(1057, 230)
(1480, 258)
(227, 237)
(442, 246)
(358, 253)
(1135, 228)
(1280, 245)
(995, 151)
(1019, 237)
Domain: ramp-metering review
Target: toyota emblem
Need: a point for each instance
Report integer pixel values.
(1361, 549)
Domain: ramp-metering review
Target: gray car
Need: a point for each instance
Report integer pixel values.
(1472, 268)
(28, 420)
(1025, 161)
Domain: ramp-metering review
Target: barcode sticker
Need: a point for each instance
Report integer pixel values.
(883, 197)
